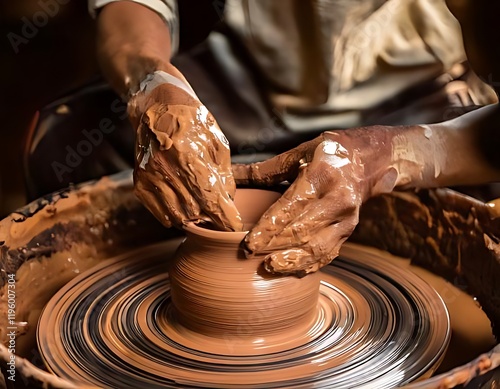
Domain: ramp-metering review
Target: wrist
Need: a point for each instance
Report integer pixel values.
(160, 89)
(168, 79)
(384, 158)
(417, 156)
(394, 157)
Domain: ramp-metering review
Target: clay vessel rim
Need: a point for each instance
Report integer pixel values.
(227, 236)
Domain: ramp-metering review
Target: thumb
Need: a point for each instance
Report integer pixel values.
(277, 169)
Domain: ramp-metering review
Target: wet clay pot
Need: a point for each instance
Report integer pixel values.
(218, 292)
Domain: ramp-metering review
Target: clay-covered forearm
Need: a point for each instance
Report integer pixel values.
(449, 153)
(132, 41)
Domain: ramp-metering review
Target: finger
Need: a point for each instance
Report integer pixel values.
(217, 204)
(314, 182)
(315, 217)
(277, 169)
(331, 193)
(154, 199)
(157, 167)
(318, 252)
(168, 175)
(280, 214)
(204, 158)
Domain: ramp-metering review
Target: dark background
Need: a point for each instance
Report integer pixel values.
(58, 58)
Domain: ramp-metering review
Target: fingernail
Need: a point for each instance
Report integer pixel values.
(278, 262)
(248, 252)
(249, 244)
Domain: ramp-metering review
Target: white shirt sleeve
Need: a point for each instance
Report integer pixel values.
(167, 9)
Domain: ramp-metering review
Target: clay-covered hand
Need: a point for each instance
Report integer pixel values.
(332, 176)
(183, 167)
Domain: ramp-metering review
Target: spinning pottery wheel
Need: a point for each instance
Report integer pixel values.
(374, 325)
(122, 333)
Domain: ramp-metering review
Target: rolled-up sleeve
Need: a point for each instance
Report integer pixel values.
(167, 9)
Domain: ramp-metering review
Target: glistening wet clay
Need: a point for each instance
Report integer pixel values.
(217, 292)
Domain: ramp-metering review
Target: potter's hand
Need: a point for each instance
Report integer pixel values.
(183, 168)
(333, 174)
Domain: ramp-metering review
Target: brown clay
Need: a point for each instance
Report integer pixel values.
(96, 208)
(217, 292)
